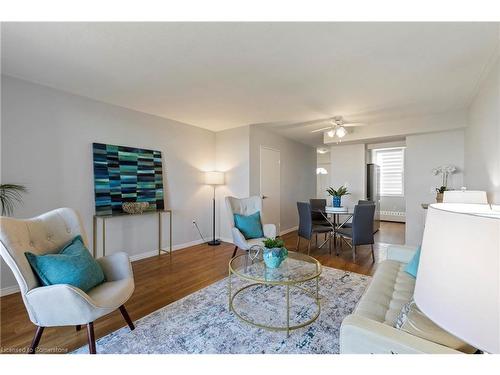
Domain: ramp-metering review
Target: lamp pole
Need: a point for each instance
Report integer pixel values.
(214, 178)
(214, 241)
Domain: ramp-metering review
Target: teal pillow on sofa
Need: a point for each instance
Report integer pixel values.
(72, 265)
(412, 266)
(250, 226)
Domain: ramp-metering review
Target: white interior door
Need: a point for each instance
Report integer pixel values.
(270, 186)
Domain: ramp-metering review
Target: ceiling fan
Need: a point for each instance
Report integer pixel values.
(337, 127)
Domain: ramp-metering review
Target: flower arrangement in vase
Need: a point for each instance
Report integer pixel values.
(445, 171)
(274, 252)
(337, 195)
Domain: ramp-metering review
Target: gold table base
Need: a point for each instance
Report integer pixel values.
(288, 327)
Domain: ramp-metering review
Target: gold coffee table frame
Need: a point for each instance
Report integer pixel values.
(287, 283)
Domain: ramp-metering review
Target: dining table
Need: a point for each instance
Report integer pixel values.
(333, 216)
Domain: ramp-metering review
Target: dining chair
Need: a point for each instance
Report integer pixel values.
(316, 206)
(307, 228)
(361, 231)
(62, 304)
(247, 206)
(361, 202)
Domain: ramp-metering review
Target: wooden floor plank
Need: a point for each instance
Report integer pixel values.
(159, 282)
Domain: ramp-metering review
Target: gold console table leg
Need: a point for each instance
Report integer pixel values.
(160, 234)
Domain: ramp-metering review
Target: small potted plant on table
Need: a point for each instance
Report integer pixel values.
(274, 252)
(337, 195)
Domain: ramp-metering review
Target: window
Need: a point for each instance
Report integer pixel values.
(391, 162)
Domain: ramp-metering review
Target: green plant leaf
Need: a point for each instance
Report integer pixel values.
(10, 196)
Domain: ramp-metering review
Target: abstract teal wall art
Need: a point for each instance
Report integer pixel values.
(126, 174)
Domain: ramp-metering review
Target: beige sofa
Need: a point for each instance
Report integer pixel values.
(370, 329)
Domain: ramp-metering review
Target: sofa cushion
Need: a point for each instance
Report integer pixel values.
(390, 289)
(412, 266)
(416, 323)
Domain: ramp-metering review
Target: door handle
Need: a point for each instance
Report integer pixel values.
(264, 197)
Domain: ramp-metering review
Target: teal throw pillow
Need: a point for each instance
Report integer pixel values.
(412, 267)
(72, 265)
(250, 226)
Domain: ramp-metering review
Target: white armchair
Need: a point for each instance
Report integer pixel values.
(63, 304)
(247, 206)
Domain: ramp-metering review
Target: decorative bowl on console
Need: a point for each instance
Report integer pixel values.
(135, 207)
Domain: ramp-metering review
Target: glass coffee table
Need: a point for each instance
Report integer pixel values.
(297, 277)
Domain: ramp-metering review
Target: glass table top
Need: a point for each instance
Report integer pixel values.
(296, 268)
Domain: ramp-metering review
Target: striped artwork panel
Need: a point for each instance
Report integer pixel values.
(126, 174)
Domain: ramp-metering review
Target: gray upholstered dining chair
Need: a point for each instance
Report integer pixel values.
(307, 228)
(62, 304)
(361, 231)
(361, 202)
(316, 206)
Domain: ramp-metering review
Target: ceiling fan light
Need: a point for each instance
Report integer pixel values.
(330, 133)
(341, 132)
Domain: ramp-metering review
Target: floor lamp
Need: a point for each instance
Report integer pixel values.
(214, 178)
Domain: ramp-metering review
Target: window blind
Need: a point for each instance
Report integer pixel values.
(391, 162)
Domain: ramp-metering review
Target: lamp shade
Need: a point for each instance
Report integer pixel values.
(458, 280)
(214, 178)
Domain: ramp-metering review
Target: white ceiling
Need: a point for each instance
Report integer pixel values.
(224, 75)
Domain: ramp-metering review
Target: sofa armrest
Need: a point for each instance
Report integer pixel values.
(401, 253)
(360, 335)
(269, 230)
(116, 266)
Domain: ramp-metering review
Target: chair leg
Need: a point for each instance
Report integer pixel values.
(235, 250)
(78, 327)
(91, 337)
(36, 340)
(126, 317)
(373, 254)
(316, 240)
(330, 245)
(309, 247)
(298, 242)
(354, 254)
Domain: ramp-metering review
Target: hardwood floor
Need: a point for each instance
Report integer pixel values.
(159, 282)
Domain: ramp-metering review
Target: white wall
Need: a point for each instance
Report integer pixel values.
(298, 171)
(482, 138)
(424, 152)
(233, 158)
(348, 166)
(46, 145)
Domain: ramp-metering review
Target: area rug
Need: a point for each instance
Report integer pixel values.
(202, 323)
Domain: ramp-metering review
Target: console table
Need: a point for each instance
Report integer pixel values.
(103, 218)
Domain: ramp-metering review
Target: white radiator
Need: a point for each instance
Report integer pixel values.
(393, 216)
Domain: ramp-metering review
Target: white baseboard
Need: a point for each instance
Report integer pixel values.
(289, 230)
(149, 254)
(9, 290)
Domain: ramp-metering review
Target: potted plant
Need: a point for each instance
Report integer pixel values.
(445, 171)
(337, 195)
(274, 252)
(10, 195)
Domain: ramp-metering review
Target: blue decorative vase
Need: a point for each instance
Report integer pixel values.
(336, 200)
(274, 257)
